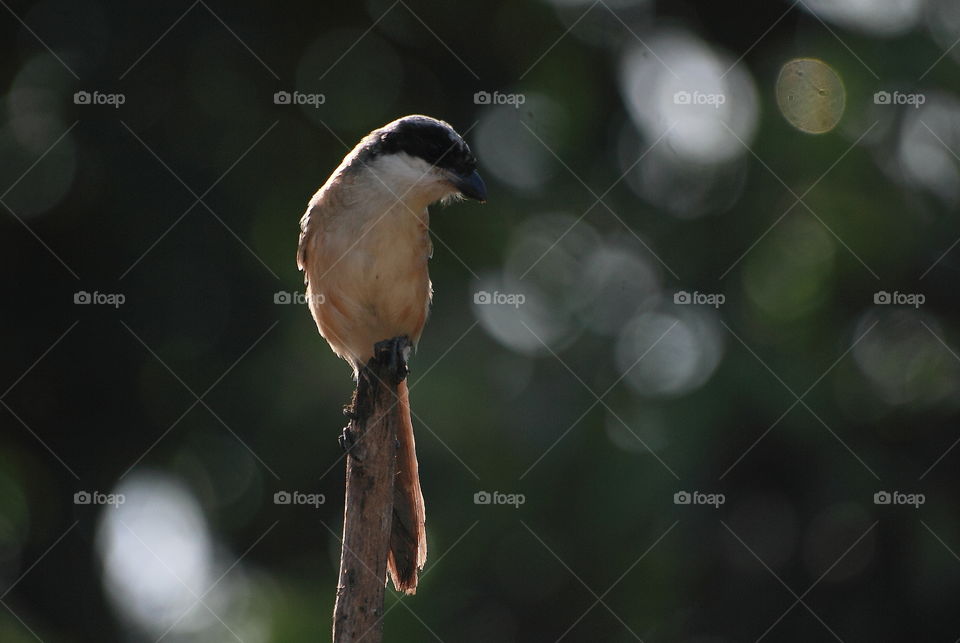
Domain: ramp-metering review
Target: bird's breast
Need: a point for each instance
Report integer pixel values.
(371, 268)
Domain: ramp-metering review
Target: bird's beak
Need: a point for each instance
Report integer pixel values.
(470, 186)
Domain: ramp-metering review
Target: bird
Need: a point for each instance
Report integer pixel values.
(364, 247)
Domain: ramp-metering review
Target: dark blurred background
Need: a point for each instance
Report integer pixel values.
(699, 351)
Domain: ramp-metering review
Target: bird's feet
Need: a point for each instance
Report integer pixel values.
(347, 441)
(393, 354)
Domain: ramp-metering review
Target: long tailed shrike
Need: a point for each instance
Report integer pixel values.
(364, 247)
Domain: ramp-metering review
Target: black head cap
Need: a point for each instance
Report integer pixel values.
(426, 138)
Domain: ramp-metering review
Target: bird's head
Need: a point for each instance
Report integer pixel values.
(422, 158)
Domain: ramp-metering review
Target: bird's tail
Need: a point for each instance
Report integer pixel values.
(408, 536)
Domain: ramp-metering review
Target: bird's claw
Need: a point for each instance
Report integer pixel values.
(394, 354)
(347, 441)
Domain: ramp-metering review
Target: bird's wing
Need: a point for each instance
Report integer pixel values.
(330, 195)
(311, 227)
(308, 223)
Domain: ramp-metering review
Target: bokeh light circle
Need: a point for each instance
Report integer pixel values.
(810, 95)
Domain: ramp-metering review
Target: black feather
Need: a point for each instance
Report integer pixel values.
(422, 137)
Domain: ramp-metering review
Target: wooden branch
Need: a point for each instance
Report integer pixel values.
(371, 442)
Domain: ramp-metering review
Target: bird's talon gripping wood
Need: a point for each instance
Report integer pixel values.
(394, 353)
(347, 441)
